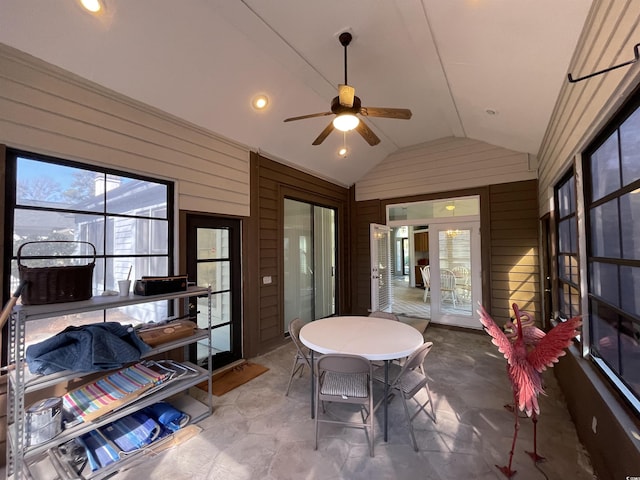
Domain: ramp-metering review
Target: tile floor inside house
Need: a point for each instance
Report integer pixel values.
(256, 432)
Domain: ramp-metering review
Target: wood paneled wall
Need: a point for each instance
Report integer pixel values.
(514, 239)
(264, 305)
(363, 214)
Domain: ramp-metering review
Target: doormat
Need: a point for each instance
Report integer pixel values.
(226, 381)
(419, 324)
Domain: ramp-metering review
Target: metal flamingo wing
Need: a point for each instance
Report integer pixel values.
(527, 384)
(554, 344)
(525, 379)
(499, 339)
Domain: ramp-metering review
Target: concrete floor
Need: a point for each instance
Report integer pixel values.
(256, 432)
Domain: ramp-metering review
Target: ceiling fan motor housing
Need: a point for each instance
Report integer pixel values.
(338, 108)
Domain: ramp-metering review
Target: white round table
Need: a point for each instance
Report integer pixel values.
(370, 337)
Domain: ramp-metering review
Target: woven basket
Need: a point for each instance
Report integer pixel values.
(55, 284)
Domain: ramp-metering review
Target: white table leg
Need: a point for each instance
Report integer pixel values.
(386, 394)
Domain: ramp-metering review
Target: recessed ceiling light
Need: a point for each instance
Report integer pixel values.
(343, 152)
(94, 6)
(260, 102)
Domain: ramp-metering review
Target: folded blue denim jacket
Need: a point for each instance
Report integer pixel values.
(86, 348)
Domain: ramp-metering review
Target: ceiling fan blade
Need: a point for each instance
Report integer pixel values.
(401, 113)
(371, 138)
(324, 134)
(346, 93)
(323, 114)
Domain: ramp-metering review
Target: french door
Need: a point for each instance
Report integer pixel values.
(213, 259)
(381, 263)
(455, 279)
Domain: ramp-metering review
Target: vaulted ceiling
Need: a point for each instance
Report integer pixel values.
(490, 70)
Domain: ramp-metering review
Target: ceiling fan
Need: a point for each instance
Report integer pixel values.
(346, 105)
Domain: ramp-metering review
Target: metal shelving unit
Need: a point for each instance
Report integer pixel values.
(20, 381)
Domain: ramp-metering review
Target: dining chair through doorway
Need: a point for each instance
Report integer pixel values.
(302, 357)
(448, 286)
(426, 280)
(408, 380)
(343, 378)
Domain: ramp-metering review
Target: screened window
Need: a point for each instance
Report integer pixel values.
(128, 218)
(567, 237)
(612, 173)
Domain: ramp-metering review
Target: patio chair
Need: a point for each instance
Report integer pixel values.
(448, 285)
(426, 280)
(343, 378)
(302, 356)
(408, 380)
(462, 274)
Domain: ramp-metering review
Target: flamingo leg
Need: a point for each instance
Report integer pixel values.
(534, 455)
(506, 470)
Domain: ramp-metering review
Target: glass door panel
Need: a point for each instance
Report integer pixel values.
(455, 276)
(309, 261)
(214, 257)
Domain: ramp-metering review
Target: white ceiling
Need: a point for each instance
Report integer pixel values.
(203, 61)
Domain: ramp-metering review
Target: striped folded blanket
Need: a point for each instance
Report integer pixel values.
(110, 392)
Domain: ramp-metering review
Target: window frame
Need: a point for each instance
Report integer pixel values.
(599, 302)
(104, 218)
(573, 254)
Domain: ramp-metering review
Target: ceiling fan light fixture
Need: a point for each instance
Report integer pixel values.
(93, 6)
(346, 122)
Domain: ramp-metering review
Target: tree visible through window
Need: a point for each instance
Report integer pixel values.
(128, 218)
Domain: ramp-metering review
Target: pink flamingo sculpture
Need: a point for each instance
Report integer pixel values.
(528, 352)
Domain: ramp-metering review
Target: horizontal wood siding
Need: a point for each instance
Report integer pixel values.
(363, 214)
(274, 182)
(515, 271)
(443, 165)
(611, 31)
(44, 109)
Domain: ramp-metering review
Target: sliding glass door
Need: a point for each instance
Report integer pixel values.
(309, 261)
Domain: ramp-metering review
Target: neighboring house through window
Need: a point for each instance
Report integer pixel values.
(127, 217)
